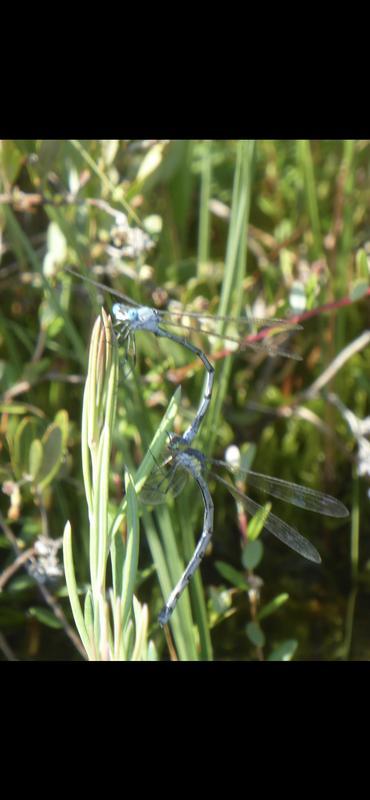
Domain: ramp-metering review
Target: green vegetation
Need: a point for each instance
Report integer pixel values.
(267, 228)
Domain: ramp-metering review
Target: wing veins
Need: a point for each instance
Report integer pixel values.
(293, 493)
(280, 529)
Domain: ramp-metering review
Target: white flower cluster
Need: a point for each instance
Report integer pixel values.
(45, 566)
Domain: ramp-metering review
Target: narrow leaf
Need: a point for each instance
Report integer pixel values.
(284, 651)
(255, 634)
(252, 554)
(232, 575)
(44, 616)
(270, 608)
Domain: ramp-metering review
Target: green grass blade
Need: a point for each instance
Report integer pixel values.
(132, 550)
(235, 266)
(155, 450)
(71, 332)
(306, 163)
(72, 589)
(169, 567)
(196, 586)
(204, 213)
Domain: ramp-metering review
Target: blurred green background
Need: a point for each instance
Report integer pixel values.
(274, 228)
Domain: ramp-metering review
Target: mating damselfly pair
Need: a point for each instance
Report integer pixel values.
(266, 335)
(183, 460)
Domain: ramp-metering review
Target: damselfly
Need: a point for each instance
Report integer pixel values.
(131, 317)
(172, 475)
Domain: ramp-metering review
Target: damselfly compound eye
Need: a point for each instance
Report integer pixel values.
(119, 312)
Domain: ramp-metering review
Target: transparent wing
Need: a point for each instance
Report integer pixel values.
(103, 287)
(271, 346)
(258, 322)
(280, 529)
(270, 336)
(278, 328)
(293, 493)
(163, 480)
(174, 317)
(273, 343)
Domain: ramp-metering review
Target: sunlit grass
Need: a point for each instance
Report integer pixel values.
(235, 225)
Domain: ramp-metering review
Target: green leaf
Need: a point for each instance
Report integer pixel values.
(232, 575)
(255, 634)
(252, 554)
(306, 164)
(154, 451)
(109, 149)
(150, 162)
(53, 448)
(36, 455)
(359, 289)
(232, 293)
(44, 616)
(88, 611)
(284, 652)
(132, 549)
(62, 420)
(256, 524)
(26, 432)
(19, 408)
(129, 639)
(10, 161)
(362, 265)
(152, 654)
(270, 608)
(21, 583)
(72, 588)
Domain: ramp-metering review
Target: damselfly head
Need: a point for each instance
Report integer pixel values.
(175, 443)
(142, 318)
